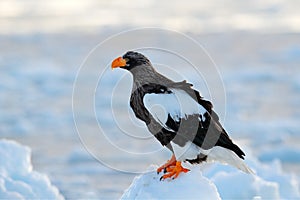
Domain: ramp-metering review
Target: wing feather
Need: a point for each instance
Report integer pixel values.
(182, 112)
(176, 104)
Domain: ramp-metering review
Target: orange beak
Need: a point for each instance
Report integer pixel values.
(118, 62)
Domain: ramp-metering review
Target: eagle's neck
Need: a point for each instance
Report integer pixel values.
(147, 75)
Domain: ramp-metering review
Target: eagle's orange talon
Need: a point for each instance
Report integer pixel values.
(169, 163)
(174, 171)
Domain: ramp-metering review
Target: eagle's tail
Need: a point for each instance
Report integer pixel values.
(237, 150)
(227, 156)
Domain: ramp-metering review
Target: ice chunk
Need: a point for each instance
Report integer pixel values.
(191, 185)
(17, 178)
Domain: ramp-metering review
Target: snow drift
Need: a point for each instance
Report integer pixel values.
(216, 181)
(17, 178)
(190, 185)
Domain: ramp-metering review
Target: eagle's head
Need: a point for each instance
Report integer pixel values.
(130, 60)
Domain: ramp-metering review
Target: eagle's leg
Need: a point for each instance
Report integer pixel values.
(174, 171)
(171, 162)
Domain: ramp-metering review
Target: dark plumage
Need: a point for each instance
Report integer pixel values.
(188, 118)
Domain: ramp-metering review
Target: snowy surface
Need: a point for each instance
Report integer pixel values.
(17, 178)
(215, 181)
(269, 182)
(188, 186)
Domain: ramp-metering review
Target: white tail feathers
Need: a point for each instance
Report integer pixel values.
(227, 156)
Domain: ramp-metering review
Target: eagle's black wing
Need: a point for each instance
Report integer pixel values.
(186, 116)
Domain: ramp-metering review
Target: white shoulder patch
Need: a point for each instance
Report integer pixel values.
(178, 104)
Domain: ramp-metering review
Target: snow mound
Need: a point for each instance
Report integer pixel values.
(270, 181)
(191, 185)
(17, 179)
(217, 181)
